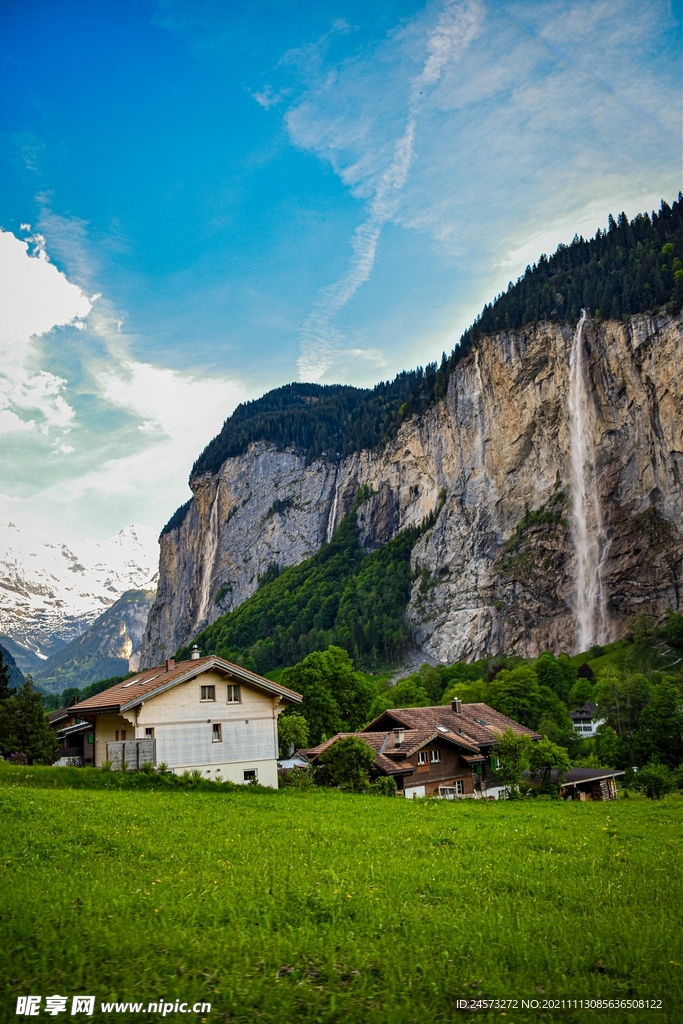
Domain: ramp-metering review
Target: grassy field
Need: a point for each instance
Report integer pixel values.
(325, 907)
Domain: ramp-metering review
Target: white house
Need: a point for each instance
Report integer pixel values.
(205, 714)
(586, 719)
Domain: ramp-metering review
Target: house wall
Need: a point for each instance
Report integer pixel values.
(105, 728)
(587, 727)
(183, 728)
(450, 768)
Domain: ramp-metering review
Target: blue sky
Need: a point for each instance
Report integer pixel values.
(201, 200)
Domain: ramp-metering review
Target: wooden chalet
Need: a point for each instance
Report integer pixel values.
(75, 736)
(437, 751)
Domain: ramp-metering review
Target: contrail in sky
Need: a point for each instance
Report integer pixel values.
(320, 339)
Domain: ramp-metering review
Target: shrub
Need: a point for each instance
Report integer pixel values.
(674, 628)
(546, 757)
(655, 780)
(303, 777)
(512, 752)
(384, 785)
(348, 763)
(292, 734)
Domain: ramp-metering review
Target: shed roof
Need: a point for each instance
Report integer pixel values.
(69, 730)
(153, 681)
(58, 716)
(575, 776)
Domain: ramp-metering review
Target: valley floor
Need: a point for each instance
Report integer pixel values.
(325, 907)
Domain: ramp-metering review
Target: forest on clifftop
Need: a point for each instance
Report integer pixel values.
(631, 267)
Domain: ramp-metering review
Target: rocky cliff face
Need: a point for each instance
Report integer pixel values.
(496, 571)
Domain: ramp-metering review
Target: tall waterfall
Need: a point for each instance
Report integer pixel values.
(208, 559)
(587, 528)
(333, 510)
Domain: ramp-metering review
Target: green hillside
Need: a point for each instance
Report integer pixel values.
(339, 596)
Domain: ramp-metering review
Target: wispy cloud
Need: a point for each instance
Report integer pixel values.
(488, 127)
(321, 341)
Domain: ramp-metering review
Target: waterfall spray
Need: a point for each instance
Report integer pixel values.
(208, 559)
(587, 530)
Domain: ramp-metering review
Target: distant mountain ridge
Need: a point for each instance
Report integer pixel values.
(109, 647)
(50, 592)
(16, 678)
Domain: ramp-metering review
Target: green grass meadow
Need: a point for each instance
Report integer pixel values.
(320, 906)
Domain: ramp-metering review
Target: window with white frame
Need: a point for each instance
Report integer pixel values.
(149, 733)
(436, 756)
(459, 787)
(216, 733)
(233, 694)
(422, 757)
(251, 774)
(208, 693)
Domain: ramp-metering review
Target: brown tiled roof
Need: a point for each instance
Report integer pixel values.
(147, 683)
(467, 726)
(393, 758)
(376, 740)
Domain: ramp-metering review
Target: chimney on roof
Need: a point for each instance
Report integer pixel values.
(170, 664)
(398, 736)
(195, 656)
(456, 705)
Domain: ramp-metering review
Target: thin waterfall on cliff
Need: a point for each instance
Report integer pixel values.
(333, 510)
(208, 559)
(587, 530)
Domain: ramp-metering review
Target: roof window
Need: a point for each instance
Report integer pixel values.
(481, 722)
(442, 728)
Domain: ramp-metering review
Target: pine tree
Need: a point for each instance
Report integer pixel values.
(34, 734)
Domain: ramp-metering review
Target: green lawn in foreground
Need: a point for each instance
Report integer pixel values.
(368, 908)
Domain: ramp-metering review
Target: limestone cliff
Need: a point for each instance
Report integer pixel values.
(496, 571)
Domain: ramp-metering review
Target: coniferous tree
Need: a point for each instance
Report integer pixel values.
(24, 727)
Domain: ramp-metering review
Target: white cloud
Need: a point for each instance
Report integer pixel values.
(184, 407)
(34, 297)
(176, 413)
(180, 413)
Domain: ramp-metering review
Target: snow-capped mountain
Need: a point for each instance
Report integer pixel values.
(51, 591)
